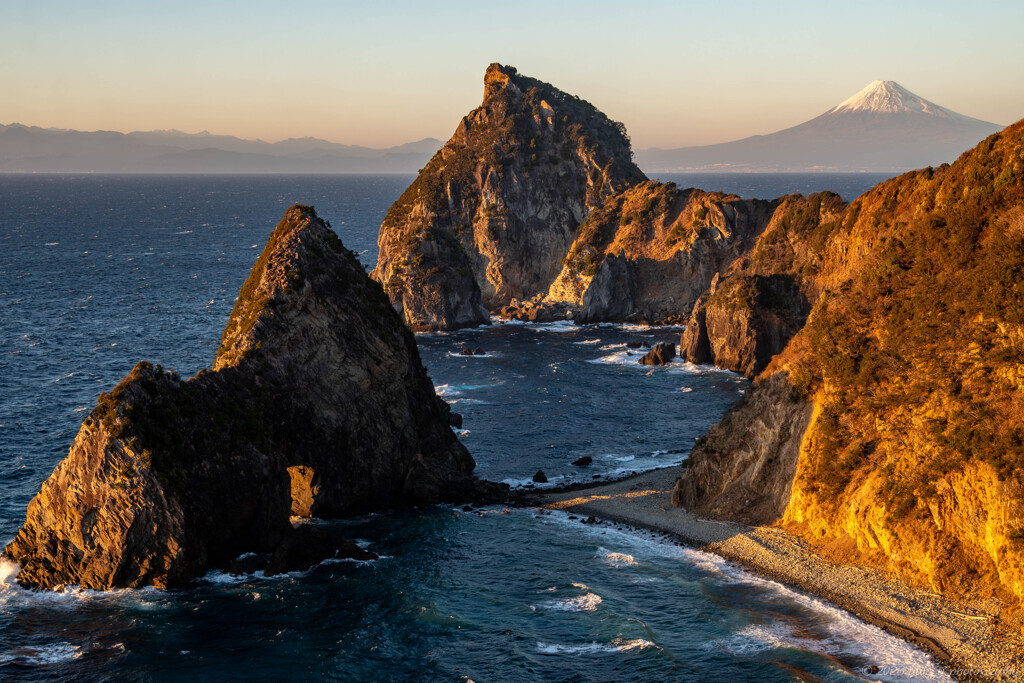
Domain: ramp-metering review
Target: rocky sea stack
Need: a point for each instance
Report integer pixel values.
(491, 217)
(317, 405)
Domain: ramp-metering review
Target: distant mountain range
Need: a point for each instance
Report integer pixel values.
(29, 149)
(884, 127)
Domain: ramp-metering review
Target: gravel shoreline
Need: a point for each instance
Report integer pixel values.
(966, 637)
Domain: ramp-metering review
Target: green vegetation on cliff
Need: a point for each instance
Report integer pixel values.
(913, 361)
(932, 318)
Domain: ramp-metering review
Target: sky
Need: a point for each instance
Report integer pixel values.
(386, 73)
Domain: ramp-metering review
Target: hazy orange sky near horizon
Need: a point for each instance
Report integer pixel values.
(676, 73)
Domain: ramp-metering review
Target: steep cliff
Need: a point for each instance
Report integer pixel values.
(746, 321)
(743, 468)
(649, 252)
(491, 216)
(749, 314)
(911, 369)
(317, 405)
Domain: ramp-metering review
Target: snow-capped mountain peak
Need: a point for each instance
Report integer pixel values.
(890, 97)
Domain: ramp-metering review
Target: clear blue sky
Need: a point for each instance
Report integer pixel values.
(675, 73)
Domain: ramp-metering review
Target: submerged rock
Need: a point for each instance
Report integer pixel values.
(317, 405)
(310, 545)
(583, 462)
(540, 477)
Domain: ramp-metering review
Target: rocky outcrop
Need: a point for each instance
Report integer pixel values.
(490, 218)
(648, 253)
(317, 404)
(745, 323)
(888, 430)
(611, 295)
(755, 306)
(743, 468)
(661, 354)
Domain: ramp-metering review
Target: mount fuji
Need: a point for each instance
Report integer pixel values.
(882, 128)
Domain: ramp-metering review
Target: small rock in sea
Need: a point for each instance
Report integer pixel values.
(590, 520)
(466, 352)
(455, 420)
(583, 462)
(540, 477)
(635, 344)
(659, 355)
(467, 508)
(479, 352)
(571, 517)
(247, 564)
(597, 476)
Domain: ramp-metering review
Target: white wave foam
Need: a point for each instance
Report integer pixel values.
(588, 341)
(617, 645)
(349, 560)
(624, 357)
(446, 390)
(486, 354)
(40, 656)
(225, 578)
(845, 635)
(587, 602)
(614, 559)
(685, 367)
(555, 326)
(459, 389)
(555, 480)
(843, 632)
(8, 572)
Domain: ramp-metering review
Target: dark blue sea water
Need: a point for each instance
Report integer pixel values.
(98, 272)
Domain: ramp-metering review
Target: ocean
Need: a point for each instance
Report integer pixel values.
(99, 272)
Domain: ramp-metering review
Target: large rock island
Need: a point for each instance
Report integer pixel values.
(490, 218)
(317, 405)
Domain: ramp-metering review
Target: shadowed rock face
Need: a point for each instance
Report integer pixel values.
(317, 405)
(745, 323)
(492, 215)
(743, 468)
